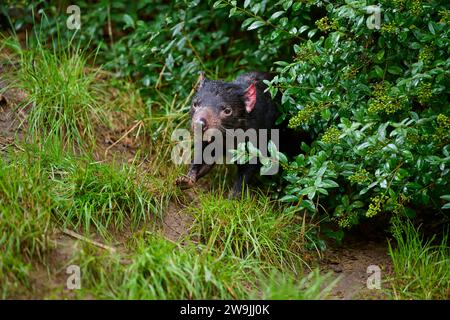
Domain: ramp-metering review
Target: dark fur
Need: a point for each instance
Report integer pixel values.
(208, 105)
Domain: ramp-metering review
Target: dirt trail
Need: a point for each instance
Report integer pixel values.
(176, 223)
(350, 262)
(10, 118)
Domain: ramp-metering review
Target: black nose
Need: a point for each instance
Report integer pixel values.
(201, 122)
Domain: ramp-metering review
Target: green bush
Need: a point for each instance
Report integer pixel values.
(375, 102)
(160, 44)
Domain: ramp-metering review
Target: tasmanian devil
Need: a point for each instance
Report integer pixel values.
(239, 104)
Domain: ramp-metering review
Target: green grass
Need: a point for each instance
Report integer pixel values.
(103, 196)
(162, 270)
(279, 285)
(62, 92)
(93, 196)
(159, 269)
(43, 189)
(251, 227)
(25, 221)
(421, 268)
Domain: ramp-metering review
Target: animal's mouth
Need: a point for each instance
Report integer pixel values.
(208, 135)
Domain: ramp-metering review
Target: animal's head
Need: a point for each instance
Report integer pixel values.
(221, 105)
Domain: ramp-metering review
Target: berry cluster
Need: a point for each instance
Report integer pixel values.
(416, 7)
(376, 205)
(306, 114)
(325, 24)
(331, 135)
(445, 16)
(389, 28)
(382, 101)
(426, 54)
(345, 221)
(442, 135)
(399, 4)
(305, 53)
(361, 177)
(424, 93)
(349, 72)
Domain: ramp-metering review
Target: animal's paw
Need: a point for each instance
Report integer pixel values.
(235, 194)
(184, 182)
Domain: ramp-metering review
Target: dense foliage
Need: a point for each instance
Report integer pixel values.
(373, 98)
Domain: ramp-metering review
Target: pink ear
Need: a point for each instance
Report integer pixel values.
(201, 77)
(250, 98)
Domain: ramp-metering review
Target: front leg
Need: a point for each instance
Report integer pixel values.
(245, 173)
(196, 171)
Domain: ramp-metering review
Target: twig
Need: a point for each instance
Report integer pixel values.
(158, 83)
(82, 238)
(120, 139)
(195, 52)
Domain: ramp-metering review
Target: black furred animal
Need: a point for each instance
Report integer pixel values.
(240, 104)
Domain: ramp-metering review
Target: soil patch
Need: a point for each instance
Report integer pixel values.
(354, 262)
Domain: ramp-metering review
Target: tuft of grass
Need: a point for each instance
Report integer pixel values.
(102, 195)
(93, 195)
(421, 269)
(159, 269)
(284, 286)
(249, 227)
(162, 270)
(25, 221)
(62, 93)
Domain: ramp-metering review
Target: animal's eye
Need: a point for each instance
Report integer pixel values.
(227, 111)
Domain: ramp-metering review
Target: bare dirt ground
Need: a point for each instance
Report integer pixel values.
(350, 262)
(10, 118)
(176, 223)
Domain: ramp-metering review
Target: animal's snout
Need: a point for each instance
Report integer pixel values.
(202, 123)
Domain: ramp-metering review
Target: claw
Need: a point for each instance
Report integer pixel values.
(184, 182)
